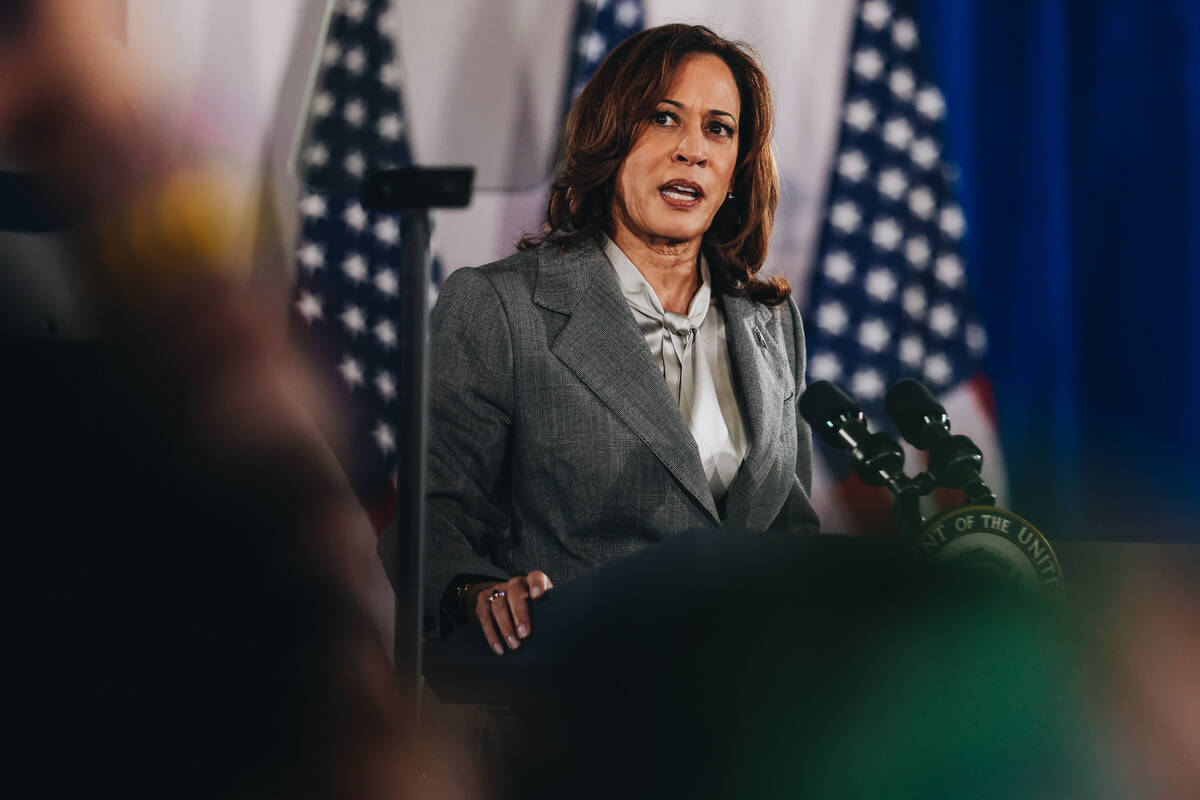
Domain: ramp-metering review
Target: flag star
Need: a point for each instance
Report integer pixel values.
(354, 320)
(310, 307)
(311, 256)
(355, 60)
(386, 385)
(386, 283)
(924, 152)
(930, 103)
(904, 33)
(937, 369)
(902, 83)
(355, 268)
(388, 20)
(313, 206)
(832, 317)
(385, 332)
(384, 438)
(390, 126)
(322, 104)
(921, 203)
(355, 217)
(593, 47)
(845, 216)
(387, 231)
(942, 320)
(949, 270)
(976, 338)
(355, 164)
(392, 74)
(331, 54)
(916, 250)
(874, 335)
(627, 14)
(897, 132)
(860, 114)
(867, 384)
(892, 183)
(355, 9)
(868, 63)
(952, 222)
(852, 166)
(825, 367)
(316, 155)
(351, 371)
(839, 267)
(876, 13)
(881, 284)
(912, 349)
(354, 112)
(913, 301)
(886, 234)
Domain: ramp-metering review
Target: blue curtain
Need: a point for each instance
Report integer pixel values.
(1076, 130)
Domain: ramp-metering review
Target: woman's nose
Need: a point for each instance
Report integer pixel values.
(691, 147)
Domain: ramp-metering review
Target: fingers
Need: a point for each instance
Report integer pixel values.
(483, 611)
(539, 583)
(518, 607)
(504, 620)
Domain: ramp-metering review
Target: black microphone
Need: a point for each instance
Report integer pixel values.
(876, 457)
(954, 460)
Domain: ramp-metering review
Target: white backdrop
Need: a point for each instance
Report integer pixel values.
(483, 77)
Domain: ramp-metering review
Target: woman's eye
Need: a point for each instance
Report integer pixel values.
(662, 118)
(720, 129)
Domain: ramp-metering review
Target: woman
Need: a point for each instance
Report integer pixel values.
(625, 375)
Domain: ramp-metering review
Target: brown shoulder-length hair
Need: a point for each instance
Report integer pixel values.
(609, 115)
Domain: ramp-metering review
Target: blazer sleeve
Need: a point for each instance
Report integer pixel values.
(470, 411)
(798, 511)
(804, 454)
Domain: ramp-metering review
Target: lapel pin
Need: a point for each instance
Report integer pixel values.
(758, 335)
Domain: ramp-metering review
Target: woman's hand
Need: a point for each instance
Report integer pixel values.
(503, 608)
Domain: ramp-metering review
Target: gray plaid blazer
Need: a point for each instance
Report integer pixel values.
(555, 443)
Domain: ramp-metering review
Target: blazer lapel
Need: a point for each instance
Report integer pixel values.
(602, 345)
(764, 378)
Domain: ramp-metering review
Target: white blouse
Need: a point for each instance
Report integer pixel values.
(694, 357)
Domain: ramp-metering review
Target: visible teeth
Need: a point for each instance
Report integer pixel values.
(678, 195)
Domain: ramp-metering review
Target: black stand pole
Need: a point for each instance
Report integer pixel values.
(413, 190)
(412, 433)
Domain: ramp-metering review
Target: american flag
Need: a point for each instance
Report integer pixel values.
(347, 297)
(889, 297)
(600, 25)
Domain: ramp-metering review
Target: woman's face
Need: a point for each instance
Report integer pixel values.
(676, 176)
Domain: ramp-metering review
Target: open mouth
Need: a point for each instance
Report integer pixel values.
(682, 193)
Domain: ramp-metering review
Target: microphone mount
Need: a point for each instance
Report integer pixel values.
(954, 460)
(875, 457)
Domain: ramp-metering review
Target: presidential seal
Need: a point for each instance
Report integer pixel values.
(994, 543)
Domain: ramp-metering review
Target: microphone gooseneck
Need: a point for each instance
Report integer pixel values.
(954, 460)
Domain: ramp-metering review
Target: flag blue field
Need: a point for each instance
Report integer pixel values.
(346, 304)
(600, 25)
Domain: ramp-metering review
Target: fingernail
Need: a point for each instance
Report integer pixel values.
(499, 650)
(522, 631)
(513, 643)
(535, 592)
